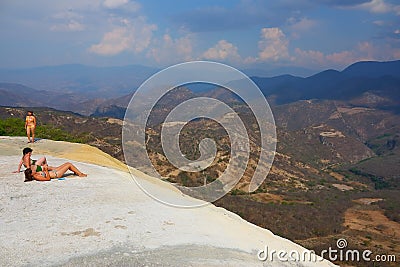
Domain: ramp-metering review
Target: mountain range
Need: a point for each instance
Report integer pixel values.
(367, 84)
(86, 81)
(378, 78)
(336, 168)
(107, 91)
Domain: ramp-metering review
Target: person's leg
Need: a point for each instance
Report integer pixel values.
(42, 161)
(28, 133)
(68, 166)
(33, 134)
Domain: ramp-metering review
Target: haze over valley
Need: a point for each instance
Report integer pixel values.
(329, 70)
(338, 146)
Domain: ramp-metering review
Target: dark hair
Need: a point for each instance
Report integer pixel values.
(28, 175)
(26, 150)
(29, 111)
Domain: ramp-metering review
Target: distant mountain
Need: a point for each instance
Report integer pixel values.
(381, 79)
(108, 82)
(88, 81)
(368, 84)
(106, 91)
(263, 70)
(114, 108)
(17, 95)
(374, 69)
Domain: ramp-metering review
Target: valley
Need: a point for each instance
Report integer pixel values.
(336, 169)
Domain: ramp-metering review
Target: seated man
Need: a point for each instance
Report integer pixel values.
(28, 162)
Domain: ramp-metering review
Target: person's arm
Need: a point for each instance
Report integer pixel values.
(46, 171)
(27, 161)
(19, 166)
(39, 177)
(26, 122)
(34, 121)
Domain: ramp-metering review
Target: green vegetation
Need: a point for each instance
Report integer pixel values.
(15, 127)
(383, 136)
(390, 204)
(259, 190)
(379, 182)
(236, 191)
(294, 220)
(184, 178)
(210, 179)
(12, 127)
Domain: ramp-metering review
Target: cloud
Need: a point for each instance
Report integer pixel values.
(216, 18)
(67, 21)
(113, 43)
(273, 45)
(344, 58)
(312, 57)
(379, 22)
(68, 14)
(343, 3)
(371, 51)
(122, 6)
(115, 3)
(302, 24)
(338, 59)
(223, 50)
(70, 26)
(168, 50)
(363, 51)
(367, 50)
(372, 6)
(133, 36)
(376, 6)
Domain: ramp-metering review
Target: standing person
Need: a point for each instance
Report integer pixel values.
(30, 126)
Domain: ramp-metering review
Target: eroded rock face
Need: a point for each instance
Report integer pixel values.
(105, 219)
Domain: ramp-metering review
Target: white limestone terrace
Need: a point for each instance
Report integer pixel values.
(106, 220)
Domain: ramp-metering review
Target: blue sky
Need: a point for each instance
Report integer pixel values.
(314, 34)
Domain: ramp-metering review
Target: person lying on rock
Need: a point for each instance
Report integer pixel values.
(45, 174)
(28, 162)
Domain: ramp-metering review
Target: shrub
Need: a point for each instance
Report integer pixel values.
(12, 127)
(15, 127)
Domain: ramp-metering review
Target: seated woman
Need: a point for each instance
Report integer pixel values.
(46, 174)
(28, 162)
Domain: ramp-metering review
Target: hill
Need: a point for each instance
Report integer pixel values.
(107, 91)
(336, 170)
(105, 219)
(104, 133)
(367, 84)
(329, 156)
(378, 79)
(86, 81)
(18, 95)
(373, 69)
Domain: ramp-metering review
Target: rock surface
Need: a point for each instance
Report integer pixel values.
(106, 220)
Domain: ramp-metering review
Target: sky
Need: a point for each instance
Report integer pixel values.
(312, 34)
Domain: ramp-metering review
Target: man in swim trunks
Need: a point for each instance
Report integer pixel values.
(30, 126)
(28, 162)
